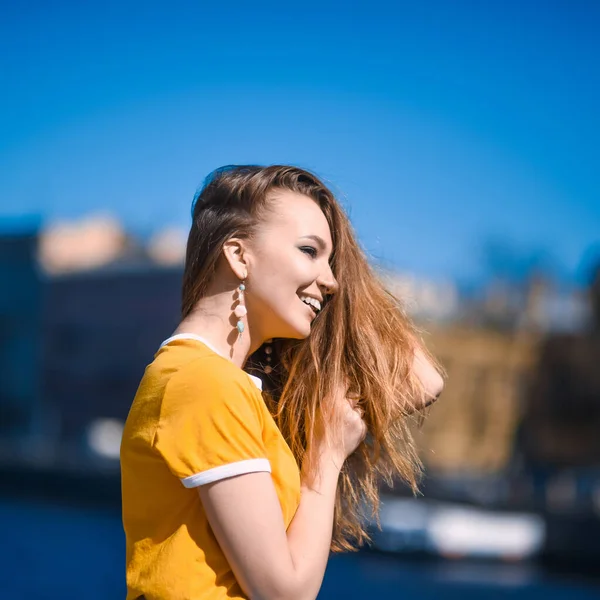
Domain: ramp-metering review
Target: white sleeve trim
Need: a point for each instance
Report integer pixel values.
(252, 465)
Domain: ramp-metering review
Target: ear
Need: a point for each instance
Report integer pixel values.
(234, 251)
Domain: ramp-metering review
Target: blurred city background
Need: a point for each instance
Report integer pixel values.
(462, 138)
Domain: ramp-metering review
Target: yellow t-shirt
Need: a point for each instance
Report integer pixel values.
(196, 418)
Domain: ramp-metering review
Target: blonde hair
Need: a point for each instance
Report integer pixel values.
(361, 339)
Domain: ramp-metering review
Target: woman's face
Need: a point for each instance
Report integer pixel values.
(288, 267)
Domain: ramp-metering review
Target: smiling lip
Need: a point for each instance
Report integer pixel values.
(309, 307)
(312, 301)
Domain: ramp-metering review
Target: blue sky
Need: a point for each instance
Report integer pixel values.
(442, 125)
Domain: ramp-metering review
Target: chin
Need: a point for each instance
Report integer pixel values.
(296, 331)
(294, 327)
(303, 335)
(299, 334)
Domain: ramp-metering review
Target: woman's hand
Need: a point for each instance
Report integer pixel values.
(342, 428)
(354, 428)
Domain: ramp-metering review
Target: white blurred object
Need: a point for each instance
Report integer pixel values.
(445, 529)
(104, 437)
(473, 532)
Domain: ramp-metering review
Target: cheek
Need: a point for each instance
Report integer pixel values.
(279, 271)
(302, 268)
(271, 287)
(285, 267)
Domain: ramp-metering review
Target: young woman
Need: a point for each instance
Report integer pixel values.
(233, 493)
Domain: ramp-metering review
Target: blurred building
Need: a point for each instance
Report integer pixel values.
(424, 299)
(472, 427)
(20, 325)
(82, 311)
(521, 406)
(167, 247)
(83, 329)
(90, 243)
(535, 304)
(101, 329)
(561, 416)
(99, 241)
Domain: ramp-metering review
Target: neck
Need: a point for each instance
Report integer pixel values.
(213, 320)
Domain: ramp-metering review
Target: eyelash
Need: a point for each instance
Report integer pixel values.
(312, 252)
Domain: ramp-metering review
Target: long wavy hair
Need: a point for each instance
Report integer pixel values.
(362, 339)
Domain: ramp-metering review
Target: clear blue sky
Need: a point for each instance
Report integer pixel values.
(442, 124)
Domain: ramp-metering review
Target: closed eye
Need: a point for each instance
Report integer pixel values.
(312, 252)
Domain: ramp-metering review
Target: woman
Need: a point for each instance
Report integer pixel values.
(222, 497)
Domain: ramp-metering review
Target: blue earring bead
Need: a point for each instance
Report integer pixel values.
(240, 310)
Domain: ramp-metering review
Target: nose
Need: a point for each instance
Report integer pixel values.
(327, 282)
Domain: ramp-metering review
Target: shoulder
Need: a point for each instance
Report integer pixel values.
(210, 379)
(211, 416)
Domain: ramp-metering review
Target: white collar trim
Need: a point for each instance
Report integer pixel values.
(192, 336)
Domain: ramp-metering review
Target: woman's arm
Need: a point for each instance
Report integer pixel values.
(245, 515)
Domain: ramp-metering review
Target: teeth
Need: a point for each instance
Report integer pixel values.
(312, 302)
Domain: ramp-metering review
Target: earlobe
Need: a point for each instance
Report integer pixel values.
(234, 253)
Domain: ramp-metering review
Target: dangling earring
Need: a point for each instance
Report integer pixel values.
(240, 310)
(269, 356)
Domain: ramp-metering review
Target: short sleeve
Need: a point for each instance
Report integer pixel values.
(210, 426)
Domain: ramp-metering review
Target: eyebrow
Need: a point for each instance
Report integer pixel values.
(318, 239)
